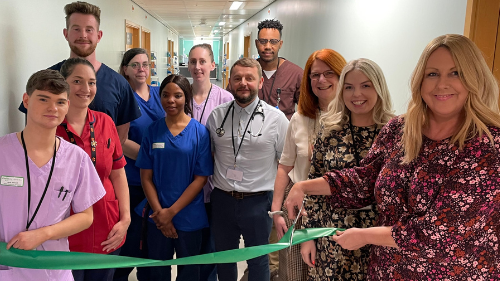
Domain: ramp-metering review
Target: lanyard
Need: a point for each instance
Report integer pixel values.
(244, 132)
(28, 220)
(206, 101)
(93, 143)
(272, 85)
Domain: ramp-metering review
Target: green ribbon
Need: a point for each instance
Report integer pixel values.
(74, 260)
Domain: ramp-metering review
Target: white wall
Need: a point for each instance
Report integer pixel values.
(392, 33)
(32, 39)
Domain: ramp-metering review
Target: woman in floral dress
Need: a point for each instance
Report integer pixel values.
(434, 174)
(361, 107)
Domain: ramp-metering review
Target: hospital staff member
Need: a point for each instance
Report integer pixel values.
(247, 139)
(96, 133)
(43, 177)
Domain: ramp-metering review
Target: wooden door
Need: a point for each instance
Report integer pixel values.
(146, 45)
(132, 35)
(482, 27)
(227, 67)
(246, 46)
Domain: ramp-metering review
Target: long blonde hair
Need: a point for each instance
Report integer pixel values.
(481, 108)
(338, 113)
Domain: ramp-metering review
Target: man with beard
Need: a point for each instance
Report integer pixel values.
(114, 95)
(247, 140)
(282, 78)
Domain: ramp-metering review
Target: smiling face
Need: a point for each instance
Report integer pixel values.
(46, 109)
(200, 64)
(140, 75)
(268, 52)
(441, 89)
(360, 97)
(324, 88)
(82, 34)
(173, 99)
(245, 84)
(82, 85)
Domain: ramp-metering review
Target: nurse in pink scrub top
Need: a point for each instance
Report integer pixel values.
(43, 177)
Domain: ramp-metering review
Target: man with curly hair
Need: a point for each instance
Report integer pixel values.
(281, 88)
(282, 78)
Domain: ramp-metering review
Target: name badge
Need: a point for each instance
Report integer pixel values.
(234, 174)
(158, 145)
(12, 181)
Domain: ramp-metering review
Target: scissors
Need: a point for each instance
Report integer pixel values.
(294, 222)
(271, 214)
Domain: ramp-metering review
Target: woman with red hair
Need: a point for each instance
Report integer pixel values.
(318, 87)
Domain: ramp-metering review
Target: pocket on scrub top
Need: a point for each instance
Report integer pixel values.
(61, 200)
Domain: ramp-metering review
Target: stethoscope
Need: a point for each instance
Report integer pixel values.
(258, 110)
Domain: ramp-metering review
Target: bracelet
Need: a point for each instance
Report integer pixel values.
(271, 214)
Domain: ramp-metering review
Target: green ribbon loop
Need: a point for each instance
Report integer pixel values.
(75, 260)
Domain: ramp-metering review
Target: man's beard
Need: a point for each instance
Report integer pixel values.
(245, 100)
(268, 60)
(83, 53)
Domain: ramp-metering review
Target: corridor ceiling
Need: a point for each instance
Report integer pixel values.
(201, 18)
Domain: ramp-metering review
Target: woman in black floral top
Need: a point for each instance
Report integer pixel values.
(434, 173)
(361, 107)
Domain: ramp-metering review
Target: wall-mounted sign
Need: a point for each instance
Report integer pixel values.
(129, 38)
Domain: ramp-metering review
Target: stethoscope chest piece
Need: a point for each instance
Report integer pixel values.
(220, 132)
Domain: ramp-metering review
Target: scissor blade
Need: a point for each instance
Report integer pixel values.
(294, 222)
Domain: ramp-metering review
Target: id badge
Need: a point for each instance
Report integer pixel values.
(12, 181)
(234, 174)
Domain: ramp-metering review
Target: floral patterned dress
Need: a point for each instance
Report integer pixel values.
(337, 151)
(443, 206)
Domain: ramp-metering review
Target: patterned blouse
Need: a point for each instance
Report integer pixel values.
(337, 151)
(443, 206)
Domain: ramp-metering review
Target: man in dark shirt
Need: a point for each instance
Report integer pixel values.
(281, 89)
(282, 78)
(114, 95)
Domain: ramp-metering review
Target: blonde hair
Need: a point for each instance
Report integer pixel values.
(247, 62)
(338, 114)
(480, 108)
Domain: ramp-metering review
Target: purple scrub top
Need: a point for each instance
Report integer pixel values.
(73, 171)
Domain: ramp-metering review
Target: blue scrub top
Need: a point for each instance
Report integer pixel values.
(114, 96)
(175, 161)
(151, 111)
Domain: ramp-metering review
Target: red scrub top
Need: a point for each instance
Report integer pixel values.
(109, 156)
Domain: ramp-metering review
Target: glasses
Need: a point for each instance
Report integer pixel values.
(137, 65)
(326, 74)
(273, 41)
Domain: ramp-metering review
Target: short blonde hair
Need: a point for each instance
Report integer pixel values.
(480, 108)
(247, 62)
(338, 113)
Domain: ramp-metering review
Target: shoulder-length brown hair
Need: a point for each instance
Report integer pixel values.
(480, 108)
(308, 102)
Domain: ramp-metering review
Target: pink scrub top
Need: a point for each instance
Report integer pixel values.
(73, 172)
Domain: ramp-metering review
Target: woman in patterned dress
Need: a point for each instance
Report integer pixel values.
(319, 84)
(361, 107)
(433, 172)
